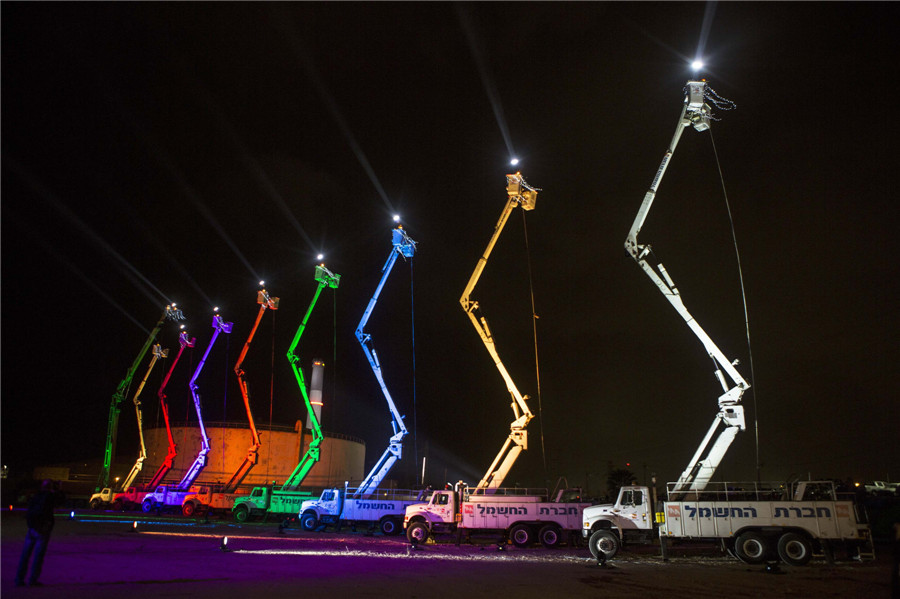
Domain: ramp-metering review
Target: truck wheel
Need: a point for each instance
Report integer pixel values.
(241, 513)
(95, 504)
(417, 533)
(521, 535)
(751, 548)
(794, 549)
(309, 522)
(188, 509)
(390, 527)
(605, 543)
(549, 536)
(147, 506)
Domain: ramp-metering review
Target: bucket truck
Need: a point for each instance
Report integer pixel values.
(132, 499)
(211, 498)
(287, 499)
(115, 406)
(105, 496)
(751, 520)
(167, 496)
(365, 504)
(518, 515)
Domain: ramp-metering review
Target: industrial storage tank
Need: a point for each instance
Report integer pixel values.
(342, 456)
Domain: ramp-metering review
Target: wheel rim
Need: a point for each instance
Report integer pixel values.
(753, 549)
(520, 536)
(418, 533)
(795, 550)
(605, 545)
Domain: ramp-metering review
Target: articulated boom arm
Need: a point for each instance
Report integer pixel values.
(158, 352)
(520, 194)
(731, 414)
(173, 450)
(265, 301)
(325, 278)
(199, 464)
(404, 246)
(115, 406)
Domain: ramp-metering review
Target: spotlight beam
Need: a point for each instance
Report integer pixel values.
(283, 22)
(487, 80)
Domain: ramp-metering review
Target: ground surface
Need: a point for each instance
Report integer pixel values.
(99, 555)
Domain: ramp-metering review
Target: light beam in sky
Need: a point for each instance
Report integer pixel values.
(708, 15)
(487, 80)
(45, 194)
(283, 21)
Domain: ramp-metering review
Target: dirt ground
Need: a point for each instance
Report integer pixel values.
(101, 555)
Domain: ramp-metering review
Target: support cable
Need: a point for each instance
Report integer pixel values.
(271, 401)
(225, 399)
(534, 318)
(334, 344)
(744, 298)
(412, 319)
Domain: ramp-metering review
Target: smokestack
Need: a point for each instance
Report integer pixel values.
(315, 390)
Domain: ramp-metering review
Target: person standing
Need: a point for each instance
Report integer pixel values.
(40, 520)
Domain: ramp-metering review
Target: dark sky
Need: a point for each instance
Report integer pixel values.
(207, 146)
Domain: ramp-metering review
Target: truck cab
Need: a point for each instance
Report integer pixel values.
(607, 526)
(104, 497)
(324, 510)
(439, 512)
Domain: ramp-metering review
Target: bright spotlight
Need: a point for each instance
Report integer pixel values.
(216, 309)
(261, 283)
(514, 161)
(396, 218)
(697, 65)
(320, 257)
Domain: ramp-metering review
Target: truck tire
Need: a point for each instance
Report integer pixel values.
(309, 522)
(794, 549)
(95, 504)
(604, 543)
(188, 509)
(751, 548)
(390, 527)
(417, 533)
(147, 506)
(242, 513)
(549, 535)
(521, 535)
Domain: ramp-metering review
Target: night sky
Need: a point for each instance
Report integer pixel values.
(156, 152)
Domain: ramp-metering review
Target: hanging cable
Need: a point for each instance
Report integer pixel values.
(187, 406)
(412, 320)
(534, 318)
(225, 399)
(744, 297)
(334, 344)
(271, 400)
